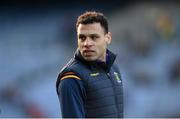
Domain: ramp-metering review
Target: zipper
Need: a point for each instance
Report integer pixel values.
(114, 88)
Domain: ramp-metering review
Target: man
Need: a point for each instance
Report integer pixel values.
(90, 85)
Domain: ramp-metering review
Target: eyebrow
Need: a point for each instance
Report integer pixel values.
(94, 34)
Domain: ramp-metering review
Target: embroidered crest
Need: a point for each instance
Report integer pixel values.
(117, 77)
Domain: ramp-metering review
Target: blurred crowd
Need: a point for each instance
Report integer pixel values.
(148, 49)
(35, 45)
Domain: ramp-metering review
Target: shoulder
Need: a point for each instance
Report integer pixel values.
(71, 68)
(69, 74)
(70, 84)
(69, 81)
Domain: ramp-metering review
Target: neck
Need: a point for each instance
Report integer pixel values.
(103, 59)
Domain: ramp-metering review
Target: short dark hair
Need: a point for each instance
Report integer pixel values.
(91, 17)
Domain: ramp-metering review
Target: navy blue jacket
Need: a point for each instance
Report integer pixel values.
(90, 89)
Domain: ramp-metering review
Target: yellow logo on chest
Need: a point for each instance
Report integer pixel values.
(94, 74)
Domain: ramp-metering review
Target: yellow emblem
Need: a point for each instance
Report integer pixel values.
(94, 74)
(117, 77)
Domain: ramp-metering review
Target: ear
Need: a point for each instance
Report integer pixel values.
(108, 37)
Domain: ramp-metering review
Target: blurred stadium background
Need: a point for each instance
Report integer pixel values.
(37, 37)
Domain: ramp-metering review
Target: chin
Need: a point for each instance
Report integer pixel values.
(89, 58)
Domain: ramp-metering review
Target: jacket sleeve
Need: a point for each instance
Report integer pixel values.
(72, 98)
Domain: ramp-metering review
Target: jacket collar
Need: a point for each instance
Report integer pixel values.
(110, 58)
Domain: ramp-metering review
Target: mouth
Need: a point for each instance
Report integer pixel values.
(88, 52)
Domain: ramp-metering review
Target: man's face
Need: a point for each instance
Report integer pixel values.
(92, 41)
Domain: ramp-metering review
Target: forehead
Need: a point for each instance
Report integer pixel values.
(94, 28)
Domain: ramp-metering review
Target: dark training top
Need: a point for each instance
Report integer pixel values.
(90, 89)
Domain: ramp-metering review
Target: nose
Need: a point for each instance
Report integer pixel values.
(87, 42)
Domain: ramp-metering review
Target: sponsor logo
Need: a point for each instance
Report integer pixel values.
(94, 74)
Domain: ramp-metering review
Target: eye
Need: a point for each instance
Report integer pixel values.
(94, 37)
(82, 37)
